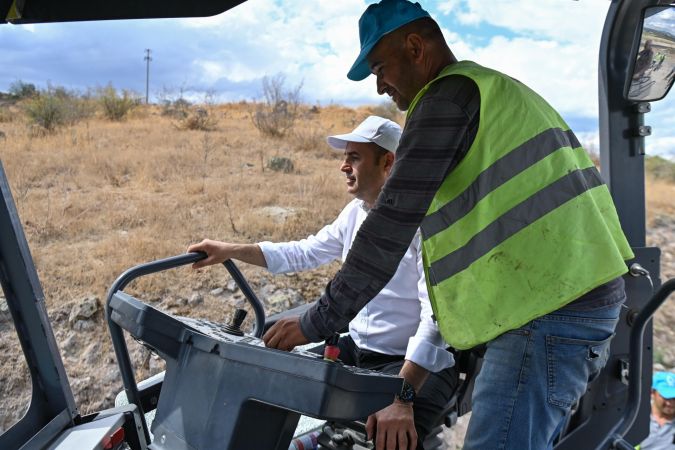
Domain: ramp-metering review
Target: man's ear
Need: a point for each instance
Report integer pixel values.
(414, 44)
(388, 161)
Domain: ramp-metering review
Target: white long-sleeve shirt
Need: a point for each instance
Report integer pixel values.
(398, 321)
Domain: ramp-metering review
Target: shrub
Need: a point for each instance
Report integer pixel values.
(388, 110)
(276, 115)
(178, 109)
(311, 137)
(46, 113)
(175, 106)
(55, 107)
(21, 90)
(197, 119)
(281, 164)
(116, 106)
(75, 107)
(79, 108)
(6, 114)
(660, 168)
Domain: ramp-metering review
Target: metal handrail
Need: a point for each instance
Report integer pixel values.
(117, 336)
(614, 439)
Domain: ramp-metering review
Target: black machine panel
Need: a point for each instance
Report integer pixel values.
(221, 390)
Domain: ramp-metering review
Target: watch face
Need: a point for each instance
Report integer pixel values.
(407, 393)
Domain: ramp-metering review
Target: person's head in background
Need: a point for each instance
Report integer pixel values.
(663, 395)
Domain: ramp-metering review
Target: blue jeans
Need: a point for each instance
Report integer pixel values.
(532, 376)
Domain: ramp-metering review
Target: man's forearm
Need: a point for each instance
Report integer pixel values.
(248, 253)
(414, 374)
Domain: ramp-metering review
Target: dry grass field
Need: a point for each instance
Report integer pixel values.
(100, 196)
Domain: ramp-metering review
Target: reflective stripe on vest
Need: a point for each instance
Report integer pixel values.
(523, 225)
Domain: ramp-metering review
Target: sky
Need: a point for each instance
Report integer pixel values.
(554, 50)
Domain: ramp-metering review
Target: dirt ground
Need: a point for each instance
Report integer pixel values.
(99, 197)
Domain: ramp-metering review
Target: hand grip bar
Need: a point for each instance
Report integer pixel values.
(117, 336)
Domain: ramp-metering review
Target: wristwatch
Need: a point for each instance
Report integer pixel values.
(407, 394)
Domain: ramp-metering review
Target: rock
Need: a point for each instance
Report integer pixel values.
(83, 325)
(111, 374)
(277, 213)
(662, 221)
(232, 286)
(173, 303)
(92, 353)
(267, 290)
(281, 164)
(195, 299)
(70, 345)
(140, 356)
(5, 316)
(155, 363)
(217, 291)
(240, 302)
(285, 299)
(83, 311)
(668, 360)
(81, 387)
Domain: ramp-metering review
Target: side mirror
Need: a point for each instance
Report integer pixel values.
(654, 65)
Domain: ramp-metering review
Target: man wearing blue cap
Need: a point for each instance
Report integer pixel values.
(522, 246)
(662, 423)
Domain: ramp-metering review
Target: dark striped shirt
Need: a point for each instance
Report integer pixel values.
(436, 137)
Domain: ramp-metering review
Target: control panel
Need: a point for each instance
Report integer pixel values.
(223, 389)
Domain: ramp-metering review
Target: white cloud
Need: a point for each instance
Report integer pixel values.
(554, 50)
(589, 140)
(564, 74)
(662, 121)
(562, 20)
(312, 42)
(448, 6)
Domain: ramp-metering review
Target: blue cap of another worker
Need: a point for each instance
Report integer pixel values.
(664, 384)
(379, 19)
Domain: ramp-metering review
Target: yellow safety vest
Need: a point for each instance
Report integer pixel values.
(523, 225)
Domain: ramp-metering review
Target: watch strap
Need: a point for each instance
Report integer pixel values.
(407, 393)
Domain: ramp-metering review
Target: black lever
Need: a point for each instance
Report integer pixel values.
(234, 327)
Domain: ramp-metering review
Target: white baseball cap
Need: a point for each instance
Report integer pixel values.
(377, 130)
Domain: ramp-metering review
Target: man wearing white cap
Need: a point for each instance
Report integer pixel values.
(395, 332)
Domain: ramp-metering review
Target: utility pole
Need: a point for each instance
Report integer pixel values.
(147, 73)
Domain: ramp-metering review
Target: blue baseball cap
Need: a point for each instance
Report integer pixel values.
(664, 384)
(378, 20)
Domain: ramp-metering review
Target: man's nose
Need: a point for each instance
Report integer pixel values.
(345, 167)
(381, 85)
